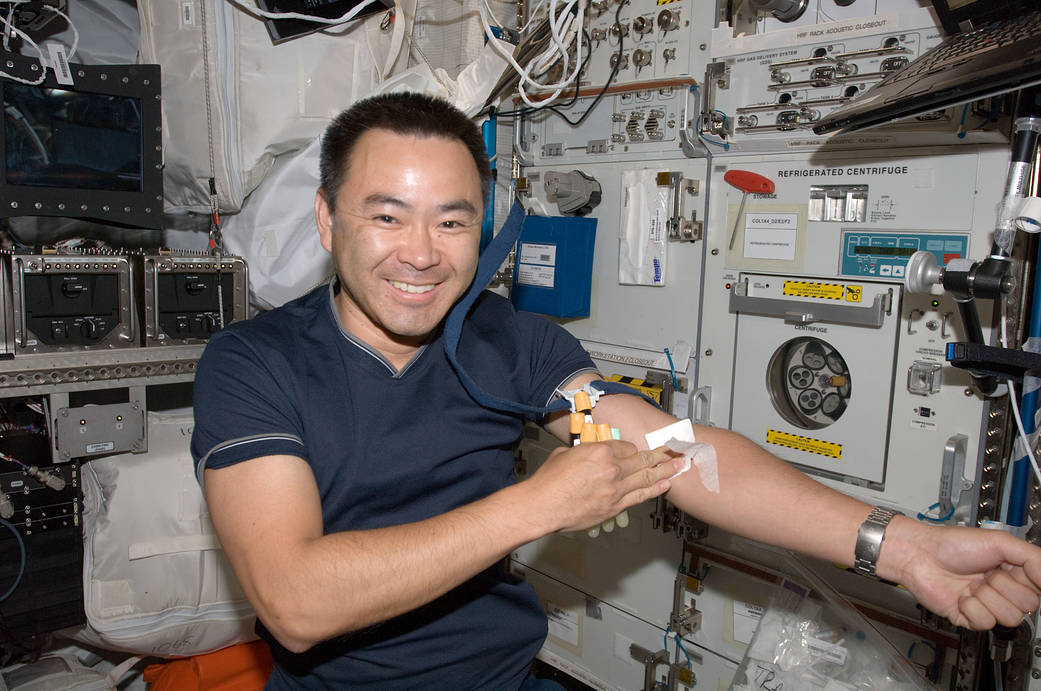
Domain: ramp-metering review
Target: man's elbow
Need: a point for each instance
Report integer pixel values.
(294, 630)
(299, 628)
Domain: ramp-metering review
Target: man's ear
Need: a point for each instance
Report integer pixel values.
(323, 217)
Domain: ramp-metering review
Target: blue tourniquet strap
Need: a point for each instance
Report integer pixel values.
(491, 259)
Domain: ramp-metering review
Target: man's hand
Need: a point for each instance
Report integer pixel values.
(581, 486)
(976, 578)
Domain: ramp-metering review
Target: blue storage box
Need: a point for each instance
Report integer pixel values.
(553, 269)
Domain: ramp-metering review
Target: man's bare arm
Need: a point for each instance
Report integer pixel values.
(975, 578)
(307, 587)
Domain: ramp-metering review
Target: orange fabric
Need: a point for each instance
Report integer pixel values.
(242, 667)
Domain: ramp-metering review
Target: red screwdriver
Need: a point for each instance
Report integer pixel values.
(747, 182)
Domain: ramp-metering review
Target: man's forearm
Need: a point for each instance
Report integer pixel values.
(307, 586)
(764, 498)
(760, 497)
(345, 581)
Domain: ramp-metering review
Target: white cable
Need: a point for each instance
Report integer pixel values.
(257, 12)
(10, 18)
(9, 25)
(75, 31)
(565, 24)
(1015, 409)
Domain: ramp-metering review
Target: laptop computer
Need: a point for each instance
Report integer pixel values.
(993, 47)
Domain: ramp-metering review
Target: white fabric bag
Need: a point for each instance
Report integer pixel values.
(155, 579)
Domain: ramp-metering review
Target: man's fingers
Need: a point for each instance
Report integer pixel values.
(1003, 594)
(1004, 611)
(650, 477)
(634, 462)
(977, 616)
(638, 496)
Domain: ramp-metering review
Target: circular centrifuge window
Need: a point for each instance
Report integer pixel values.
(809, 382)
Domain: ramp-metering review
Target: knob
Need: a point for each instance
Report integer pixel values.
(73, 289)
(89, 329)
(923, 272)
(668, 20)
(194, 286)
(642, 25)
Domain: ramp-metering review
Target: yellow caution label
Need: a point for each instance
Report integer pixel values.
(666, 2)
(854, 293)
(806, 444)
(649, 390)
(812, 289)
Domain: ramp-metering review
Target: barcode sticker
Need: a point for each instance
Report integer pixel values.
(60, 64)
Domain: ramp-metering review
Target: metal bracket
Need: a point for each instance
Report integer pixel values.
(799, 312)
(650, 662)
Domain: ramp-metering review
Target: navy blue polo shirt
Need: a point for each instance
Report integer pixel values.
(390, 447)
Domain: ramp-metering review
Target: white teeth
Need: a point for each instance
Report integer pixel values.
(409, 288)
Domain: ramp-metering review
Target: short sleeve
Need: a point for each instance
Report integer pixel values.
(556, 356)
(244, 405)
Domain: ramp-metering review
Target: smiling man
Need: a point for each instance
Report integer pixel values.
(365, 499)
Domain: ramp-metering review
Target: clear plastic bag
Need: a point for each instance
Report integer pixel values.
(811, 639)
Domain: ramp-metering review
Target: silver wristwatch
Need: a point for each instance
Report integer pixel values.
(869, 540)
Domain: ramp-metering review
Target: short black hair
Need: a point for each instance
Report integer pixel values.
(404, 113)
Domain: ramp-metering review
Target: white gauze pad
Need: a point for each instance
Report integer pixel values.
(679, 437)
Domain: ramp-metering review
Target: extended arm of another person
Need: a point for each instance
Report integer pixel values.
(976, 578)
(307, 586)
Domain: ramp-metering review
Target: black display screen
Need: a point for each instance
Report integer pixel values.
(884, 251)
(72, 140)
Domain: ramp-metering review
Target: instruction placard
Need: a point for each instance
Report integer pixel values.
(563, 623)
(771, 236)
(814, 289)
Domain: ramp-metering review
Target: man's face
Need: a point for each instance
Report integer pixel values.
(404, 236)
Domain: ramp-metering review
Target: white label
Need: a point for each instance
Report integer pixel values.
(532, 253)
(923, 424)
(101, 447)
(187, 13)
(656, 230)
(771, 236)
(15, 484)
(832, 652)
(563, 624)
(534, 275)
(60, 64)
(746, 620)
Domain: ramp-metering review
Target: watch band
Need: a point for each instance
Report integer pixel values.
(869, 540)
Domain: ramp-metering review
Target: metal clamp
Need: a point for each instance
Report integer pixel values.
(799, 312)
